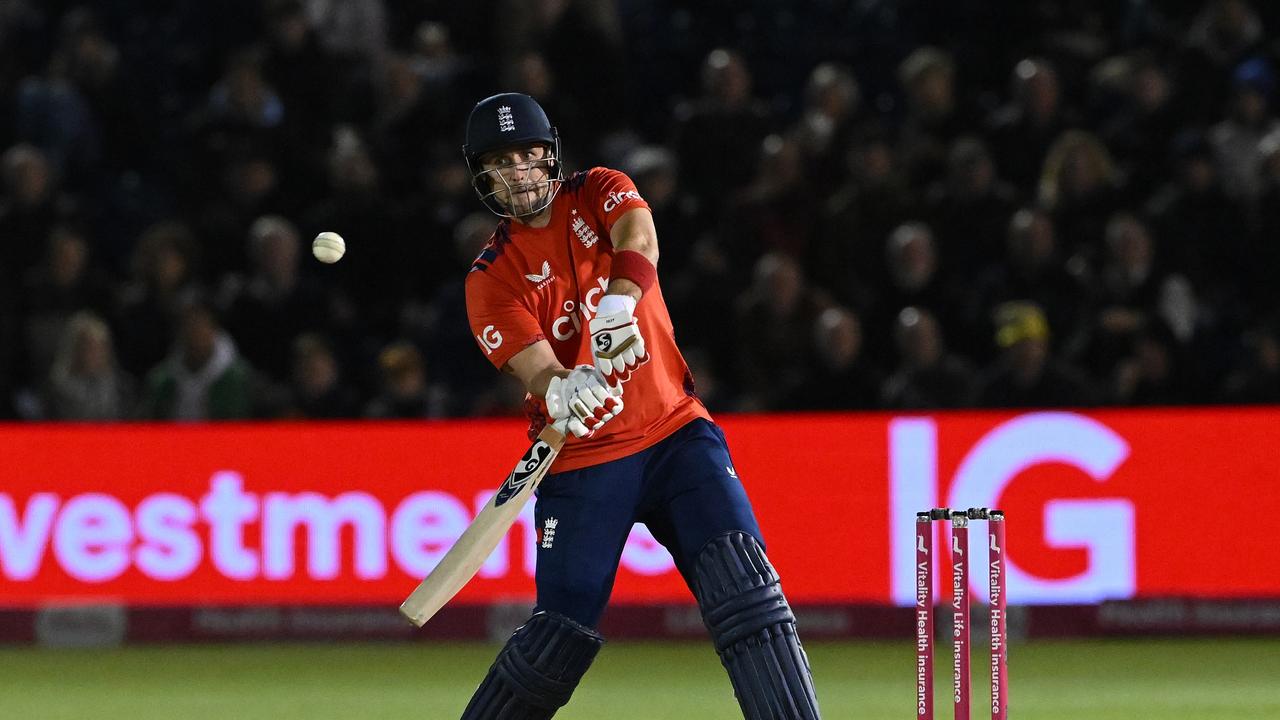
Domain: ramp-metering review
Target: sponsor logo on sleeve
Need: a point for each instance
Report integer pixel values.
(490, 339)
(617, 198)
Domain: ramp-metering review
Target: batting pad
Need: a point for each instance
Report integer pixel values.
(537, 670)
(754, 630)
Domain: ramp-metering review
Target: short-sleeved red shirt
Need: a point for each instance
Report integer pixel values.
(531, 284)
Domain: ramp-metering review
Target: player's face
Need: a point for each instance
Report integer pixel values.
(519, 178)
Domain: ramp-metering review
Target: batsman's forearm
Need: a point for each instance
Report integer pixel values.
(635, 231)
(535, 366)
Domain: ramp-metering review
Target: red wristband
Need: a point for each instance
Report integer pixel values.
(635, 267)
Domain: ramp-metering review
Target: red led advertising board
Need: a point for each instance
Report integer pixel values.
(1101, 505)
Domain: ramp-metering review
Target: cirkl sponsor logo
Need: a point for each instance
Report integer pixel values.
(615, 199)
(569, 324)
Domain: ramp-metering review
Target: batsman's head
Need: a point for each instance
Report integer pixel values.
(512, 151)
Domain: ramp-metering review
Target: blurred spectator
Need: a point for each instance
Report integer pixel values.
(163, 280)
(1148, 375)
(1134, 293)
(354, 31)
(717, 135)
(1027, 375)
(299, 70)
(1192, 209)
(912, 277)
(267, 309)
(563, 33)
(28, 210)
(405, 113)
(242, 101)
(436, 60)
(1263, 255)
(1221, 35)
(1236, 138)
(1257, 379)
(1144, 126)
(774, 321)
(316, 387)
(250, 188)
(1022, 131)
(912, 260)
(52, 114)
(848, 252)
(377, 277)
(203, 379)
(832, 110)
(970, 209)
(776, 212)
(85, 383)
(405, 391)
(87, 59)
(926, 376)
(51, 293)
(840, 378)
(24, 37)
(933, 119)
(1030, 270)
(1079, 186)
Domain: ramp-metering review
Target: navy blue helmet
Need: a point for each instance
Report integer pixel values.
(508, 121)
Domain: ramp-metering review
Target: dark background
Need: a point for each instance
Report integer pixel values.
(906, 204)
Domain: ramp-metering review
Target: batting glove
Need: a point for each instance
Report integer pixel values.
(584, 399)
(615, 338)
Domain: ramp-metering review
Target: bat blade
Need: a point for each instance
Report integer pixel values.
(484, 533)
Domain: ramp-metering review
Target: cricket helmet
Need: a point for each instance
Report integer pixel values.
(504, 121)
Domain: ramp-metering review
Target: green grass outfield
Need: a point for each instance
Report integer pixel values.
(1185, 679)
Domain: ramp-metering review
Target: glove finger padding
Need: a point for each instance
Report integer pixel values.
(584, 399)
(576, 427)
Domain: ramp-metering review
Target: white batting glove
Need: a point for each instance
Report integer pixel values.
(584, 400)
(615, 338)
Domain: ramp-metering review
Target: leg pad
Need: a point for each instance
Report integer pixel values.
(754, 630)
(537, 670)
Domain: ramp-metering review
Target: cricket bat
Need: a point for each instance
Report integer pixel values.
(484, 533)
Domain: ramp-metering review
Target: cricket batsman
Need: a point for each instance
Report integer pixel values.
(565, 297)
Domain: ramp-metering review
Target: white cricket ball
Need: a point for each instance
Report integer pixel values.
(328, 247)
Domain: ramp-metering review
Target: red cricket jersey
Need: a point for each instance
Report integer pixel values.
(531, 284)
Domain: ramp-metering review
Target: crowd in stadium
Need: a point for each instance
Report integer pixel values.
(859, 204)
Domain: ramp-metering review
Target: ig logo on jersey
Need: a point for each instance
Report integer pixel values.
(490, 339)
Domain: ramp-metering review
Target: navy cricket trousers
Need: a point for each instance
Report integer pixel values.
(684, 489)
